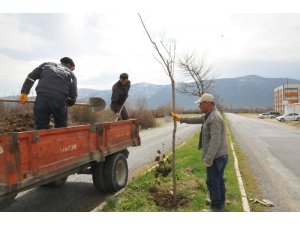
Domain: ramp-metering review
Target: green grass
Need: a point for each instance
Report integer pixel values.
(191, 176)
(249, 179)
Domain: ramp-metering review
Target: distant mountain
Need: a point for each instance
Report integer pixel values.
(246, 91)
(249, 91)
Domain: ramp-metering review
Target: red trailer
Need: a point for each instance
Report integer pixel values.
(47, 157)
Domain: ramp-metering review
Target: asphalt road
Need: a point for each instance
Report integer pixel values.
(79, 194)
(274, 153)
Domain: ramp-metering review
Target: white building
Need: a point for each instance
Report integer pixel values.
(292, 108)
(287, 98)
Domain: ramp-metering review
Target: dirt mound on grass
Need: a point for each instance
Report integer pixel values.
(164, 198)
(17, 122)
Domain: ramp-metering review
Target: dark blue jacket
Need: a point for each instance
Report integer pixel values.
(54, 79)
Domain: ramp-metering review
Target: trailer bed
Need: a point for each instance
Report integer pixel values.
(33, 158)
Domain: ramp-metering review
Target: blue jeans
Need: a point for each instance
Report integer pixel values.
(215, 182)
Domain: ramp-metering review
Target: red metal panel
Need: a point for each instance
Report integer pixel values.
(119, 135)
(3, 160)
(9, 161)
(55, 151)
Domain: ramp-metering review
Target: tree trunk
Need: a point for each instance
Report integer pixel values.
(173, 147)
(168, 66)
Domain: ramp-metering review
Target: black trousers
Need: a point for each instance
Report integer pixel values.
(47, 105)
(124, 112)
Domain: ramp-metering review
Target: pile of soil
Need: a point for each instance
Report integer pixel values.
(164, 198)
(17, 122)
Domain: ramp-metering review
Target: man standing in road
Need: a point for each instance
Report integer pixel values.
(119, 95)
(213, 142)
(56, 89)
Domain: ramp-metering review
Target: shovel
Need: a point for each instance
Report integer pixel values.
(119, 113)
(96, 104)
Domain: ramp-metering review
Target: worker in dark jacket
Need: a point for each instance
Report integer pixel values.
(119, 95)
(56, 89)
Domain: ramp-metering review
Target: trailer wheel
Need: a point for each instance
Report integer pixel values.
(116, 172)
(98, 177)
(57, 183)
(7, 201)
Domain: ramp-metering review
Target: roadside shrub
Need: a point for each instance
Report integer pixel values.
(105, 116)
(247, 109)
(220, 108)
(7, 109)
(145, 118)
(165, 110)
(81, 115)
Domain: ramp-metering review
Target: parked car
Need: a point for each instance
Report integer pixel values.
(274, 114)
(268, 115)
(289, 116)
(263, 115)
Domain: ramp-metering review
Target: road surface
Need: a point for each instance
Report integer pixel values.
(274, 153)
(79, 194)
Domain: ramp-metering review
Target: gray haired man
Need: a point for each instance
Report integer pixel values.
(213, 142)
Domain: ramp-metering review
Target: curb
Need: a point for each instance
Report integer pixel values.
(101, 206)
(245, 202)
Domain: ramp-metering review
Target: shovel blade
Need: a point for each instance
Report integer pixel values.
(96, 104)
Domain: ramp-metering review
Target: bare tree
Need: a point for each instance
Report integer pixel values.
(200, 71)
(218, 102)
(166, 57)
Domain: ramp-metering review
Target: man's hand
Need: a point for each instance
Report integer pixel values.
(23, 98)
(206, 164)
(175, 117)
(70, 102)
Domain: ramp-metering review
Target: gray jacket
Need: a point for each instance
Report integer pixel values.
(213, 135)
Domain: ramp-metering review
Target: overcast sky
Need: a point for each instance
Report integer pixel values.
(103, 45)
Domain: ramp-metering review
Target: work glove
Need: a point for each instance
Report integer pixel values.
(175, 117)
(23, 98)
(206, 165)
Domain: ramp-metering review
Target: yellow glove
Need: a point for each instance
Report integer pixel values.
(175, 116)
(23, 98)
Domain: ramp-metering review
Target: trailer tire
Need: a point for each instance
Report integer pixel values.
(55, 184)
(116, 172)
(98, 177)
(7, 201)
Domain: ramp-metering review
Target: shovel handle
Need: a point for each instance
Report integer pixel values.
(118, 114)
(14, 100)
(32, 101)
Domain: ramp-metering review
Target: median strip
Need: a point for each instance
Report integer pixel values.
(147, 193)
